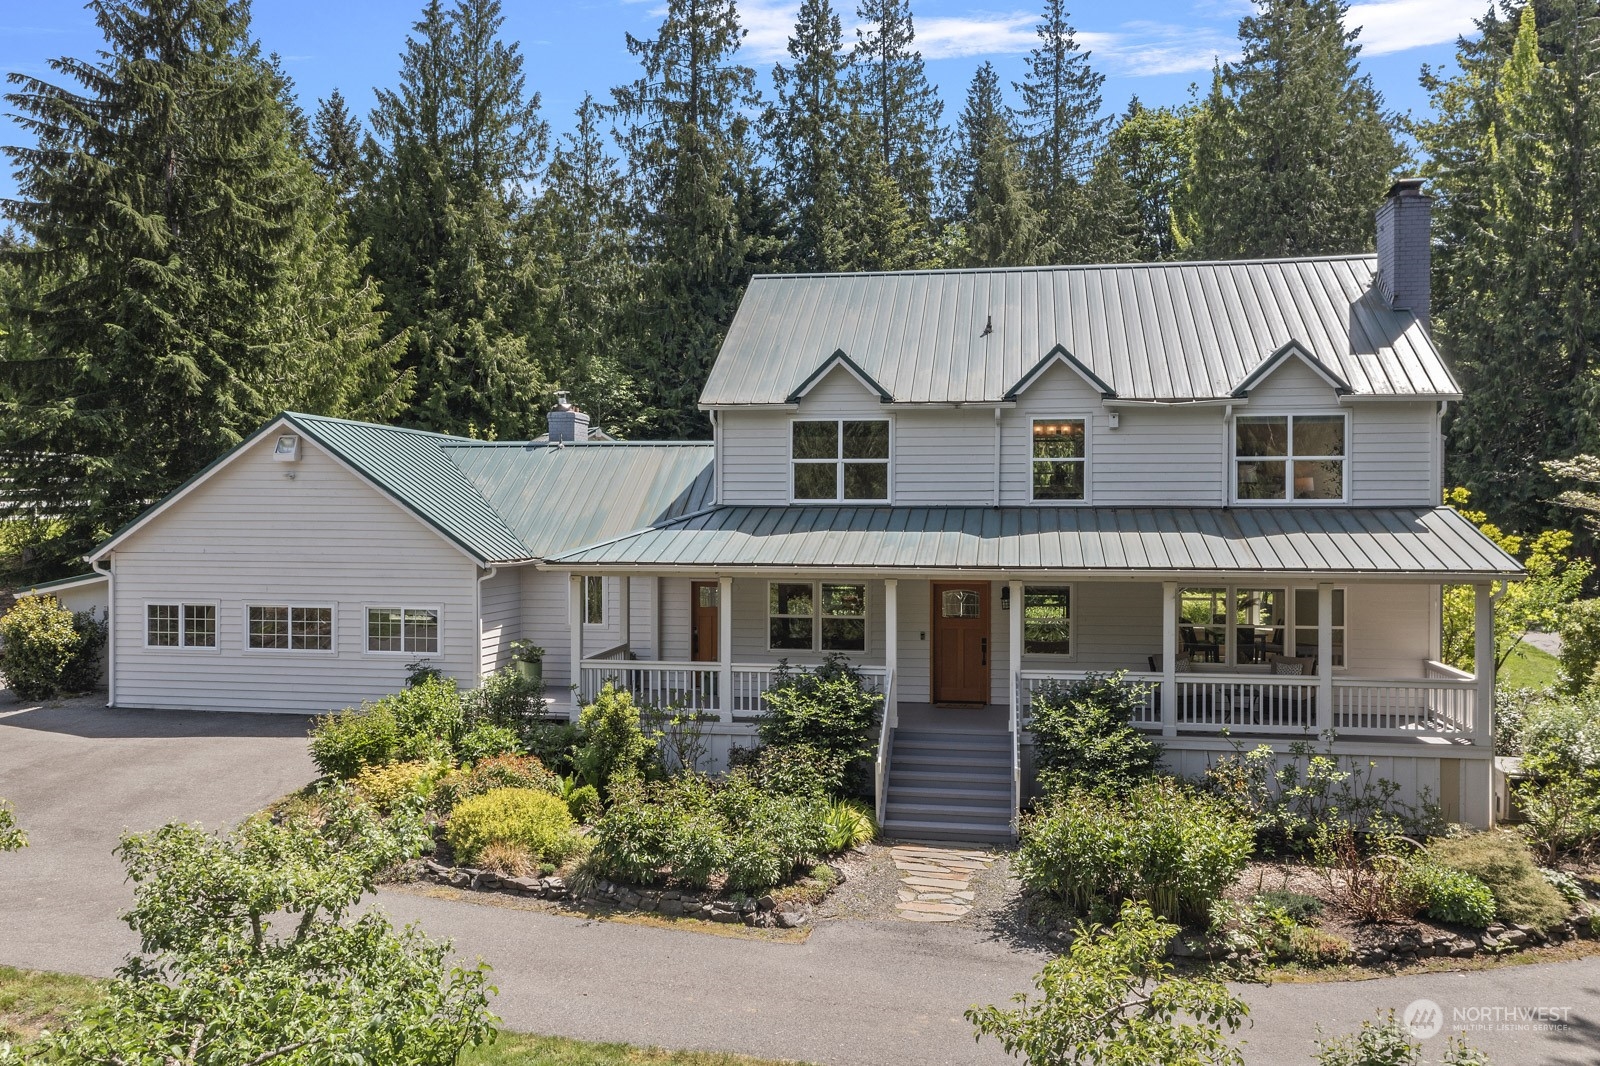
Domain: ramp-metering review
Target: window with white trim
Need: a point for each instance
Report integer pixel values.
(1305, 624)
(411, 630)
(1289, 458)
(807, 616)
(1060, 458)
(180, 625)
(1239, 625)
(594, 600)
(281, 627)
(1047, 620)
(840, 459)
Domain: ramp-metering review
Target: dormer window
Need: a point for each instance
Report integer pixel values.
(1059, 457)
(840, 459)
(1288, 458)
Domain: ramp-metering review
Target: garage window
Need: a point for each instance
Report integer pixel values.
(180, 625)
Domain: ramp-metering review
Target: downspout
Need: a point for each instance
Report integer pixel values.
(111, 630)
(478, 594)
(1438, 454)
(998, 467)
(716, 460)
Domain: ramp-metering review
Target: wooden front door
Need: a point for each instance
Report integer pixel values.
(960, 649)
(703, 624)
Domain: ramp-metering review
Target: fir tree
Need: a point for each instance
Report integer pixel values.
(687, 140)
(1294, 151)
(804, 128)
(457, 143)
(890, 89)
(1514, 155)
(188, 278)
(1000, 226)
(1062, 129)
(880, 233)
(334, 144)
(983, 120)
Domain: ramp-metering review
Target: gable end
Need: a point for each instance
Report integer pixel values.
(1059, 354)
(1295, 350)
(840, 359)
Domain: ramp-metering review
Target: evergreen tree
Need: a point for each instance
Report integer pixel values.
(1294, 151)
(804, 128)
(878, 231)
(690, 159)
(334, 144)
(1062, 131)
(457, 143)
(890, 89)
(1000, 226)
(1514, 155)
(983, 120)
(187, 279)
(586, 275)
(1151, 147)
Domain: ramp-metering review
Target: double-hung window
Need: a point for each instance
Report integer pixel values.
(1047, 620)
(1249, 626)
(412, 630)
(180, 625)
(1060, 456)
(272, 627)
(840, 459)
(1289, 457)
(804, 616)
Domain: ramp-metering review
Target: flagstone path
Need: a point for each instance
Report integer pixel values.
(936, 883)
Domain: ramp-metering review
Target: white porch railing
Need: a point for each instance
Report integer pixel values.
(694, 686)
(880, 767)
(1147, 714)
(1248, 702)
(751, 684)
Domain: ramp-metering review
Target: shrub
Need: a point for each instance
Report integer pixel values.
(1580, 645)
(12, 838)
(1389, 1043)
(1317, 947)
(386, 785)
(849, 825)
(802, 770)
(427, 717)
(500, 771)
(767, 835)
(1082, 736)
(552, 743)
(523, 817)
(1297, 906)
(1448, 895)
(1501, 860)
(506, 859)
(485, 740)
(1365, 878)
(344, 742)
(1163, 845)
(46, 649)
(613, 743)
(505, 699)
(1563, 815)
(1562, 736)
(1114, 999)
(584, 803)
(828, 710)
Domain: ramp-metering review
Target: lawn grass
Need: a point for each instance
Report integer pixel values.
(31, 1000)
(1527, 667)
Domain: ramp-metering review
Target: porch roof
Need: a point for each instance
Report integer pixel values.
(1432, 542)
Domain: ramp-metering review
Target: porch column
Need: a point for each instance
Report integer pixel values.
(625, 611)
(1169, 658)
(891, 649)
(1015, 654)
(575, 634)
(725, 647)
(1324, 653)
(1483, 665)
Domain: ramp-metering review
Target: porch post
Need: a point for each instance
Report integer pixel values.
(725, 647)
(575, 633)
(1483, 665)
(1169, 658)
(625, 611)
(891, 649)
(1015, 654)
(1325, 653)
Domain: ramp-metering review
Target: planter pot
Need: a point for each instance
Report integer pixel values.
(532, 672)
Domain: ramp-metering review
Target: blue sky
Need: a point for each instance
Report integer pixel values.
(1153, 48)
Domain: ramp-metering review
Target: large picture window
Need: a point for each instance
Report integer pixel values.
(803, 616)
(1251, 626)
(1047, 620)
(838, 459)
(180, 625)
(287, 628)
(411, 630)
(1289, 457)
(1059, 458)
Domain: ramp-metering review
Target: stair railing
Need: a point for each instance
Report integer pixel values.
(1016, 750)
(881, 765)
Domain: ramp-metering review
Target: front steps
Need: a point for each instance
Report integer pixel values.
(949, 784)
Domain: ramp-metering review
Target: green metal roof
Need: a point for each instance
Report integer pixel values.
(1433, 542)
(64, 582)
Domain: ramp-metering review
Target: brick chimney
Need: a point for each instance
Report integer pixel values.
(1405, 248)
(566, 422)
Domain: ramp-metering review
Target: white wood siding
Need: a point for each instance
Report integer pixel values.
(500, 600)
(544, 621)
(252, 535)
(1392, 448)
(944, 458)
(753, 452)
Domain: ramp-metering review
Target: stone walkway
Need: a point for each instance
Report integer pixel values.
(936, 883)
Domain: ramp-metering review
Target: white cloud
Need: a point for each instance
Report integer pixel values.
(1396, 25)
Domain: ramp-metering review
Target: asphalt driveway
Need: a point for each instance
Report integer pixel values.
(856, 992)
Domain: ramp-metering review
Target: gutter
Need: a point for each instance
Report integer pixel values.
(111, 629)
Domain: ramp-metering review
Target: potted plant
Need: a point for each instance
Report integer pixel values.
(527, 658)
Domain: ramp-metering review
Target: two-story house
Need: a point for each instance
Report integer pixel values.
(1222, 478)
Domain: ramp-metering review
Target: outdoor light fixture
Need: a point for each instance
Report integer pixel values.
(287, 450)
(1005, 598)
